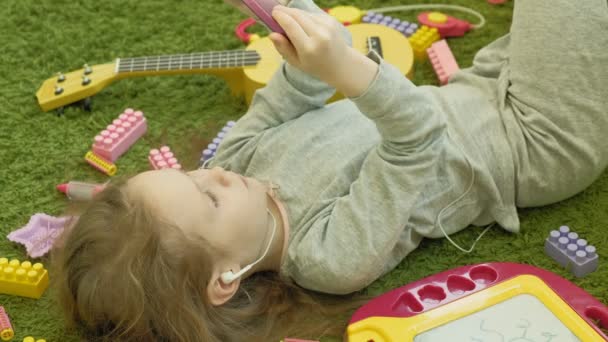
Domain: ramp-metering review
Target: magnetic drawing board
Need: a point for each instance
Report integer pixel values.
(522, 318)
(491, 302)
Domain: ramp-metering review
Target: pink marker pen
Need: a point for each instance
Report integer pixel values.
(80, 191)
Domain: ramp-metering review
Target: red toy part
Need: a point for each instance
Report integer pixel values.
(241, 30)
(445, 287)
(496, 2)
(446, 25)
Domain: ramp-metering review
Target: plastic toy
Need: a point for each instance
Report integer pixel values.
(483, 302)
(209, 152)
(442, 60)
(347, 15)
(496, 2)
(244, 71)
(241, 31)
(121, 134)
(446, 25)
(422, 40)
(23, 278)
(39, 234)
(31, 339)
(404, 27)
(572, 252)
(80, 191)
(100, 164)
(261, 10)
(163, 158)
(6, 329)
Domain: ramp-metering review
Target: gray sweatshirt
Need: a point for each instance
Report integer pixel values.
(365, 179)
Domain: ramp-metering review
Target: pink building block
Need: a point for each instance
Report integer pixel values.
(496, 2)
(118, 136)
(443, 61)
(6, 328)
(163, 158)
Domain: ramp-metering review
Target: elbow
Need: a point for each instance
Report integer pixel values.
(337, 278)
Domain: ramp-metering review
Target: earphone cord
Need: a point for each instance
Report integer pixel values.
(274, 230)
(204, 166)
(472, 181)
(482, 19)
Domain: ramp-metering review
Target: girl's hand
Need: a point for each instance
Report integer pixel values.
(316, 46)
(315, 43)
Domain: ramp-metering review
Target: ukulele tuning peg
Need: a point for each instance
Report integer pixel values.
(58, 90)
(60, 77)
(85, 80)
(87, 69)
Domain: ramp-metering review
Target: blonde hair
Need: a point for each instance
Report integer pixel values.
(124, 274)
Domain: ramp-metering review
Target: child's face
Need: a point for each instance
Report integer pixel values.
(226, 209)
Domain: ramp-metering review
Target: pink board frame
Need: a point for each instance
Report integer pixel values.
(466, 280)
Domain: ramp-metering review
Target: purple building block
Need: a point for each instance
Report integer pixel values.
(406, 28)
(570, 251)
(209, 152)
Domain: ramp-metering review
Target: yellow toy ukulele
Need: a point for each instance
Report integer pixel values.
(243, 70)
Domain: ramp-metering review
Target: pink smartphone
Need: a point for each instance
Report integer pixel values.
(260, 10)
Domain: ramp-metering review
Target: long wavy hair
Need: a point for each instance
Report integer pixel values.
(122, 273)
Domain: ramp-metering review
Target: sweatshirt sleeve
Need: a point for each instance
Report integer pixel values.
(346, 247)
(289, 94)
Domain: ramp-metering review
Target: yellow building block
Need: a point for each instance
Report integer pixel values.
(422, 40)
(31, 339)
(23, 278)
(347, 14)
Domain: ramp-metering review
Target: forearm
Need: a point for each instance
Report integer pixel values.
(407, 117)
(355, 75)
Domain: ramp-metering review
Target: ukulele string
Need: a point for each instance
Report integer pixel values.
(204, 58)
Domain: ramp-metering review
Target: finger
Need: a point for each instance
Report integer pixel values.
(304, 19)
(292, 29)
(284, 47)
(323, 20)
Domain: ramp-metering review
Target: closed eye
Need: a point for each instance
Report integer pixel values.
(213, 197)
(210, 194)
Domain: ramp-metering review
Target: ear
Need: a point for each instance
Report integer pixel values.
(218, 292)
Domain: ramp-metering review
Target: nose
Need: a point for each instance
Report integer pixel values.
(217, 169)
(220, 175)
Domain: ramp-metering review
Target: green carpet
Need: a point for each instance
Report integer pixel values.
(39, 150)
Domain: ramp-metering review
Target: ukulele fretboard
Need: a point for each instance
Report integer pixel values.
(203, 60)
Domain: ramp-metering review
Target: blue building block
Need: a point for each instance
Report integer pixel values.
(406, 28)
(209, 152)
(572, 252)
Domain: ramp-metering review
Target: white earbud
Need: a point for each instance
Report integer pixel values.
(229, 277)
